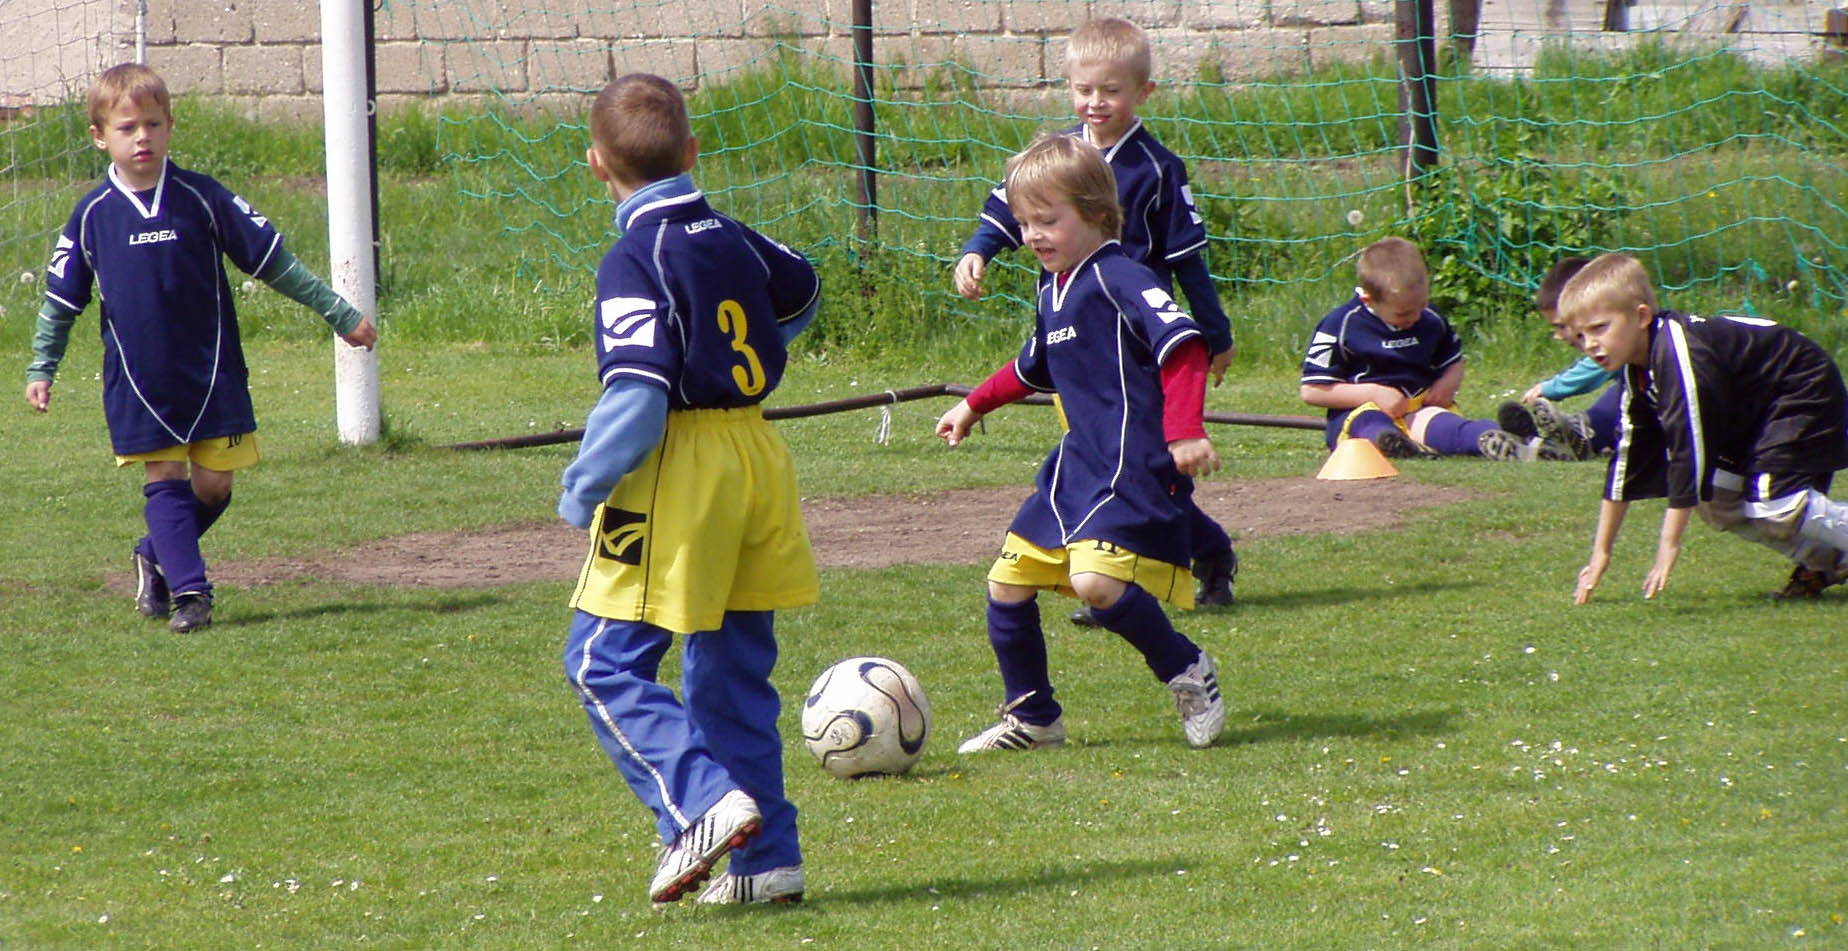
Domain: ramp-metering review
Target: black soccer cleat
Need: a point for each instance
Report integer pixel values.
(1216, 576)
(1516, 419)
(1808, 584)
(191, 612)
(151, 595)
(1082, 617)
(1394, 444)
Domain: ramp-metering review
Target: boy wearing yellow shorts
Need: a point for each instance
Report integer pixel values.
(150, 242)
(690, 498)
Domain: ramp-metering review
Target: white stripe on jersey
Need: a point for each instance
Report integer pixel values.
(1690, 390)
(1626, 432)
(601, 711)
(160, 188)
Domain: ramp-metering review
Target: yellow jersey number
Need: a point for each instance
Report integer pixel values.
(750, 377)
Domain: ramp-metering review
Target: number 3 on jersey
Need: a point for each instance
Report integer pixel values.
(750, 377)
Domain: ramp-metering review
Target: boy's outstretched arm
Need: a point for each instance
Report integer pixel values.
(623, 428)
(1610, 519)
(292, 279)
(1183, 407)
(49, 339)
(1004, 387)
(1668, 548)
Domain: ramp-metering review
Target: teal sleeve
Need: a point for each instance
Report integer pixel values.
(1581, 377)
(49, 340)
(293, 280)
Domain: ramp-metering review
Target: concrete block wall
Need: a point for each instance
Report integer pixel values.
(266, 56)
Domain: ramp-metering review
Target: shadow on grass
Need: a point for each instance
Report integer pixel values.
(1276, 725)
(444, 604)
(1040, 875)
(1324, 597)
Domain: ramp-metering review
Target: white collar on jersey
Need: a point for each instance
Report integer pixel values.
(160, 188)
(661, 193)
(1060, 289)
(1084, 132)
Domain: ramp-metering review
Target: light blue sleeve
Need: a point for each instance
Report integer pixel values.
(788, 329)
(623, 428)
(1581, 377)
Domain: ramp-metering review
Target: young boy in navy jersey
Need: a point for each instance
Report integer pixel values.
(1108, 63)
(690, 496)
(1108, 521)
(1590, 431)
(151, 241)
(1739, 418)
(1387, 368)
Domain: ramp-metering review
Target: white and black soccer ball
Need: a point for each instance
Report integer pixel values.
(866, 715)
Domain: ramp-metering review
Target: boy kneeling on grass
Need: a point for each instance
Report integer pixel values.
(1736, 417)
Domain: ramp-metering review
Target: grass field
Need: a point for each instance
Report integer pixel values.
(1428, 746)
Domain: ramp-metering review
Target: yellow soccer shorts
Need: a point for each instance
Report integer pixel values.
(1030, 566)
(223, 453)
(710, 522)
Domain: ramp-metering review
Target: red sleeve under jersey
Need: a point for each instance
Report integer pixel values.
(1183, 391)
(999, 390)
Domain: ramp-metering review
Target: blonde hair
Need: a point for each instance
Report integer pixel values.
(1611, 282)
(1059, 168)
(1112, 40)
(132, 81)
(640, 129)
(1391, 266)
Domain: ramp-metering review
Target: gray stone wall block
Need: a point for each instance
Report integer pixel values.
(1329, 46)
(193, 68)
(720, 61)
(799, 17)
(290, 110)
(158, 22)
(1041, 16)
(1148, 14)
(652, 18)
(398, 67)
(285, 21)
(260, 70)
(942, 16)
(213, 21)
(1007, 61)
(580, 66)
(1314, 12)
(486, 67)
(1227, 14)
(1261, 54)
(473, 20)
(676, 60)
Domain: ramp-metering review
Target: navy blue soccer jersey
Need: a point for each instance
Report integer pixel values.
(1160, 223)
(1730, 394)
(173, 363)
(1352, 344)
(690, 301)
(1099, 341)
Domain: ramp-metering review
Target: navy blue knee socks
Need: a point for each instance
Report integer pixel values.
(1137, 618)
(1020, 650)
(176, 519)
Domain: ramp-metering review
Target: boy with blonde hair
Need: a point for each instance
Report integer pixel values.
(690, 497)
(1387, 368)
(1107, 522)
(1108, 63)
(150, 242)
(1739, 418)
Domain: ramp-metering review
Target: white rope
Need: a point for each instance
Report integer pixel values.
(883, 436)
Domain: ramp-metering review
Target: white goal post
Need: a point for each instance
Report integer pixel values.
(351, 260)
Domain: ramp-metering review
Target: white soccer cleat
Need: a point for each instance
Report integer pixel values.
(778, 886)
(1571, 430)
(1196, 695)
(728, 824)
(1015, 734)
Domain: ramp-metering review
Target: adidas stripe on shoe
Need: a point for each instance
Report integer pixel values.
(1196, 696)
(778, 886)
(730, 823)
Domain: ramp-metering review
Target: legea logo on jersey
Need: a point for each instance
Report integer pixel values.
(1399, 344)
(1061, 335)
(704, 224)
(620, 534)
(627, 322)
(60, 256)
(150, 237)
(1321, 350)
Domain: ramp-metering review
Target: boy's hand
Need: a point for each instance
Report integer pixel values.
(954, 425)
(362, 336)
(1221, 360)
(1533, 393)
(38, 393)
(1590, 575)
(968, 277)
(1657, 579)
(1194, 457)
(1390, 400)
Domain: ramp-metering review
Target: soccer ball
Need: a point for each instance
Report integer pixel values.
(865, 715)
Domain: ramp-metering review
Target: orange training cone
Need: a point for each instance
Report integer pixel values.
(1356, 459)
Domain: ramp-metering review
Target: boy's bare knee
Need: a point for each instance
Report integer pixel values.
(1098, 591)
(212, 486)
(1002, 593)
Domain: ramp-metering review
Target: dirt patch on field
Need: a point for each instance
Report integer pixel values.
(961, 526)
